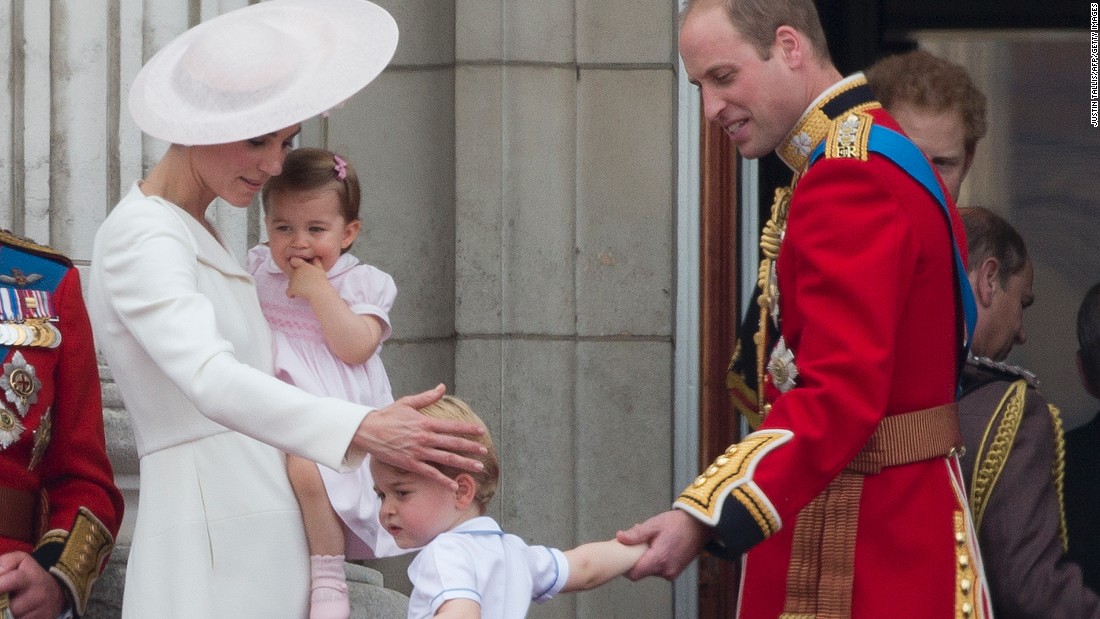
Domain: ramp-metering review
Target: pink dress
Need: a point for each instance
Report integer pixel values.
(303, 359)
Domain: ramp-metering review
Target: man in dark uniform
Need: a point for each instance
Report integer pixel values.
(59, 507)
(1015, 453)
(1083, 451)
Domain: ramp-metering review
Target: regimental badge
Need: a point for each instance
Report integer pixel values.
(19, 278)
(10, 428)
(782, 368)
(41, 439)
(21, 384)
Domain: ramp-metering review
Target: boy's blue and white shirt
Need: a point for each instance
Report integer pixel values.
(478, 561)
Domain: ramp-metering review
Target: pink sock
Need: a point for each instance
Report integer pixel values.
(328, 597)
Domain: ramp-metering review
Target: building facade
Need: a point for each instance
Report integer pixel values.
(519, 165)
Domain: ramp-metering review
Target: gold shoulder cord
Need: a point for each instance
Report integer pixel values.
(989, 462)
(1058, 473)
(770, 240)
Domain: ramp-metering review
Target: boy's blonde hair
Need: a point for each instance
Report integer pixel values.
(453, 409)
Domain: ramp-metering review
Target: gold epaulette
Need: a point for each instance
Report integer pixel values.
(848, 136)
(9, 238)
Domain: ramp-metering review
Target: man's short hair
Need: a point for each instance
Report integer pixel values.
(927, 81)
(1088, 335)
(988, 235)
(757, 21)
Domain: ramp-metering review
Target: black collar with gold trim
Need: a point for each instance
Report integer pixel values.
(849, 95)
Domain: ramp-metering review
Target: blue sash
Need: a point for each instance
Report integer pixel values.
(907, 156)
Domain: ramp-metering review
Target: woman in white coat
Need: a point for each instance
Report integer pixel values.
(218, 531)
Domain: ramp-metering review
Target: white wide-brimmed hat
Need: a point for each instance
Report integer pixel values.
(261, 68)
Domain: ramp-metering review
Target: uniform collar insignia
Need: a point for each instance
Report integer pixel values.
(849, 95)
(985, 363)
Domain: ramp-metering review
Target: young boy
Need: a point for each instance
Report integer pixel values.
(468, 567)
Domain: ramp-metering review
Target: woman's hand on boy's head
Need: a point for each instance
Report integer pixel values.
(403, 437)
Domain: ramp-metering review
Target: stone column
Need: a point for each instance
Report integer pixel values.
(565, 116)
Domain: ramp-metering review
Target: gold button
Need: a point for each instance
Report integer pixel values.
(967, 609)
(965, 585)
(960, 538)
(964, 561)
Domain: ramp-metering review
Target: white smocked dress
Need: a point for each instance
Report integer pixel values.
(303, 359)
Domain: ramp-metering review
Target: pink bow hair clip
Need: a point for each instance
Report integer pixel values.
(341, 167)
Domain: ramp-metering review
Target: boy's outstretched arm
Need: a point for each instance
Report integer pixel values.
(458, 608)
(591, 565)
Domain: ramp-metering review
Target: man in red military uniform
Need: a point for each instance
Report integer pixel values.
(847, 501)
(59, 507)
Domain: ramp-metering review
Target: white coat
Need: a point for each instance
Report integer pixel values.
(218, 532)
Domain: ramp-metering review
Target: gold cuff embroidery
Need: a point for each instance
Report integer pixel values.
(731, 473)
(86, 550)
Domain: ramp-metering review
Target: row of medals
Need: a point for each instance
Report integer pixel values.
(34, 332)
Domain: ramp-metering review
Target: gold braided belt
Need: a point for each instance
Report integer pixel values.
(911, 437)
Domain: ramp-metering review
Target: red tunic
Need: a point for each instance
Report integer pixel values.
(58, 450)
(868, 309)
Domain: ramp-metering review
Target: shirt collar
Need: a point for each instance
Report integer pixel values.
(481, 525)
